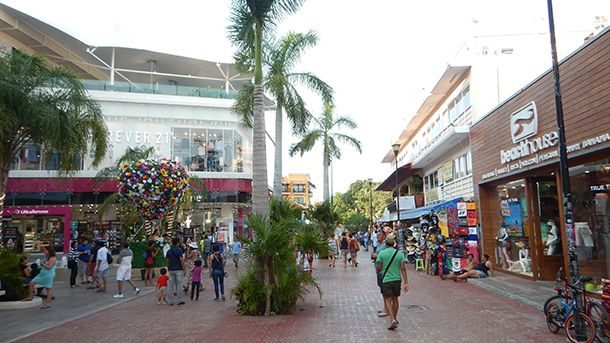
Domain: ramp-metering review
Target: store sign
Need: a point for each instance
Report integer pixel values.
(530, 150)
(26, 212)
(524, 122)
(139, 137)
(407, 202)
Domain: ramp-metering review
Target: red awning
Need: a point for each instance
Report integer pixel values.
(403, 173)
(88, 184)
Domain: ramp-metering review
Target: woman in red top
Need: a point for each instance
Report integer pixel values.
(353, 249)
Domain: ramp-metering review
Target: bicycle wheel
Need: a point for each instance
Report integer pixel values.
(553, 313)
(602, 322)
(588, 328)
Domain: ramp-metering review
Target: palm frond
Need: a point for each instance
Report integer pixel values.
(243, 106)
(306, 143)
(345, 121)
(348, 140)
(314, 83)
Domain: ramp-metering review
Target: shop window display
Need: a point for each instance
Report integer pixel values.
(512, 251)
(211, 150)
(590, 185)
(26, 234)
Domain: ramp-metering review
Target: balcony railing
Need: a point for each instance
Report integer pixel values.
(146, 88)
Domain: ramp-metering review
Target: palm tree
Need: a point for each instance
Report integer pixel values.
(280, 82)
(47, 106)
(324, 132)
(250, 21)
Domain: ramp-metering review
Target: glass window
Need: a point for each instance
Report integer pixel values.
(182, 147)
(29, 156)
(299, 200)
(298, 188)
(590, 185)
(229, 148)
(216, 147)
(198, 150)
(512, 235)
(466, 97)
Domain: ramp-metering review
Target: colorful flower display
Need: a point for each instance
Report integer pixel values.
(152, 186)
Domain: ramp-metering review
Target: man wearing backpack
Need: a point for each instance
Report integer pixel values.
(392, 265)
(103, 260)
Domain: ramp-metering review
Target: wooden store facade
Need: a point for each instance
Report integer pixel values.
(516, 170)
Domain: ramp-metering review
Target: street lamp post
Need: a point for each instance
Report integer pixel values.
(395, 148)
(565, 172)
(371, 199)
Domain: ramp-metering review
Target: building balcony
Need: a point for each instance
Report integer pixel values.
(147, 88)
(442, 144)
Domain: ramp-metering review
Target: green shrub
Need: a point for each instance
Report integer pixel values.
(10, 275)
(139, 248)
(250, 294)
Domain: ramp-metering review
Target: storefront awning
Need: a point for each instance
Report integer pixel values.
(403, 173)
(418, 212)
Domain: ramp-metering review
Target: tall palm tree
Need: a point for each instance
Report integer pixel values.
(47, 106)
(324, 132)
(280, 81)
(251, 20)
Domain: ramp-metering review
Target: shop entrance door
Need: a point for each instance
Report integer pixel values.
(546, 227)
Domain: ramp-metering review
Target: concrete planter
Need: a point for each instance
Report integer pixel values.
(20, 305)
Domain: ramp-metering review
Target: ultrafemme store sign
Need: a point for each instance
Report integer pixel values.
(530, 150)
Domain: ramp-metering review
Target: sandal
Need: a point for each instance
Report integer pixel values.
(26, 299)
(393, 326)
(380, 315)
(101, 290)
(44, 307)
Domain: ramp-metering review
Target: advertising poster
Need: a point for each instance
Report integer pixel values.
(513, 220)
(442, 222)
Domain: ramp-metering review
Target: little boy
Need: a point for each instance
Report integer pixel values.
(162, 287)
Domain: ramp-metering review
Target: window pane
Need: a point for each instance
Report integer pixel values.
(181, 146)
(215, 160)
(198, 149)
(29, 156)
(229, 150)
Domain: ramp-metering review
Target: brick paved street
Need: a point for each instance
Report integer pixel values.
(442, 311)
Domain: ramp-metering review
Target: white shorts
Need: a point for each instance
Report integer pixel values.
(123, 273)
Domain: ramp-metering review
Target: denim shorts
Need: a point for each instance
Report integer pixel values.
(482, 274)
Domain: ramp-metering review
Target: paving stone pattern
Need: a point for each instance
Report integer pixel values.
(432, 311)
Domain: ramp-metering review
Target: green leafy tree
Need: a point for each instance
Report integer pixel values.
(357, 221)
(251, 22)
(324, 131)
(326, 218)
(47, 106)
(357, 199)
(281, 82)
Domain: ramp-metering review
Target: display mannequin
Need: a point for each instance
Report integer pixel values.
(552, 239)
(502, 252)
(524, 258)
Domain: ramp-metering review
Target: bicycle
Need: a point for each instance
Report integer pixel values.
(560, 312)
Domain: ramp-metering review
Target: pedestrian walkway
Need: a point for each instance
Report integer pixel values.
(529, 292)
(432, 311)
(69, 304)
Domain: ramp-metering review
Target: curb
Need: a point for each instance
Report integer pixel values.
(80, 316)
(538, 306)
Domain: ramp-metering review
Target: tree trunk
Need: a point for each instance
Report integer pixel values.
(3, 182)
(277, 172)
(260, 187)
(148, 230)
(325, 185)
(267, 284)
(170, 223)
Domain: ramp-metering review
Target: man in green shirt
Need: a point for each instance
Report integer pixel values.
(392, 265)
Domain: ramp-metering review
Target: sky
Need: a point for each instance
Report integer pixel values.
(382, 57)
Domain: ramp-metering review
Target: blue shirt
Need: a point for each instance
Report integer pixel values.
(236, 247)
(173, 258)
(83, 249)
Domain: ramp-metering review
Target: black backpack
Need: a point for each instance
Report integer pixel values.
(109, 257)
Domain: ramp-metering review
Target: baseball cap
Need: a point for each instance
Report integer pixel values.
(391, 239)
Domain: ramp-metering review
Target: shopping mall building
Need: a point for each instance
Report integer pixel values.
(178, 105)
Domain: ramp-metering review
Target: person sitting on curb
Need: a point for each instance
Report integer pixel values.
(481, 270)
(469, 267)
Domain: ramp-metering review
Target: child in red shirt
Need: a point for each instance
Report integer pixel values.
(162, 287)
